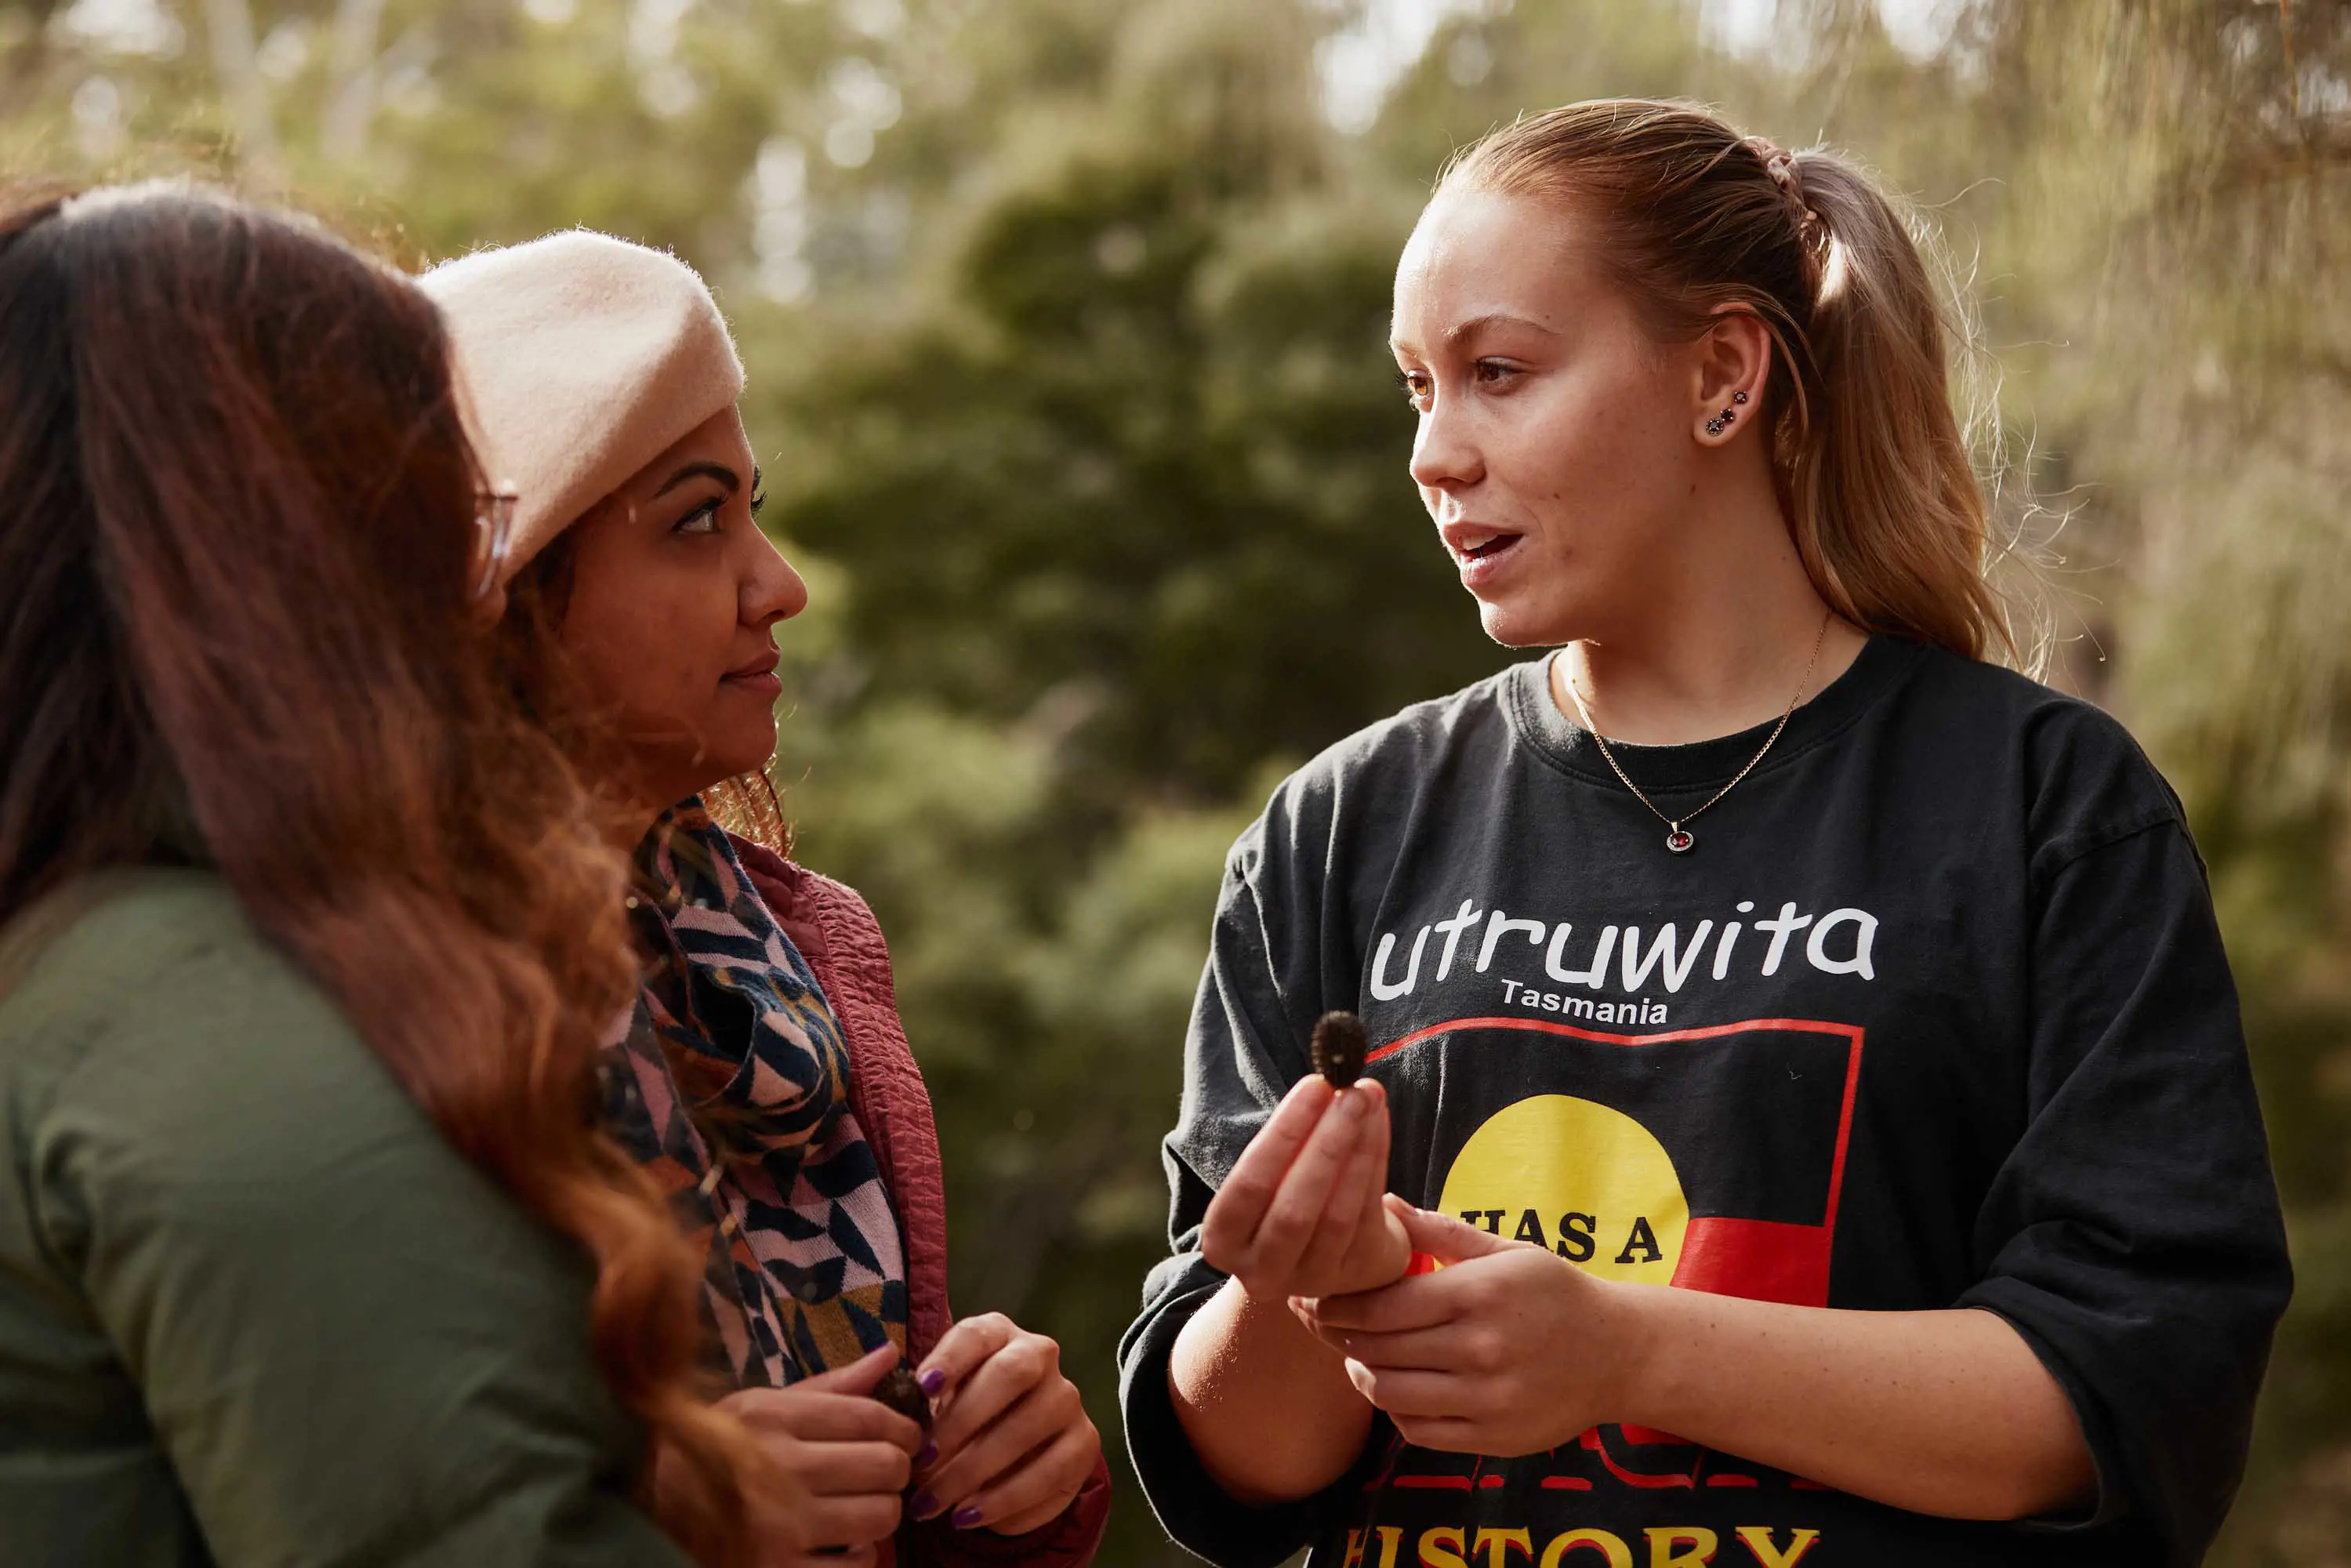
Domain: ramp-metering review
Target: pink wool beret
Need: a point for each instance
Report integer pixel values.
(580, 359)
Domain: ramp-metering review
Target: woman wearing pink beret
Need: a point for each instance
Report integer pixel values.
(764, 1078)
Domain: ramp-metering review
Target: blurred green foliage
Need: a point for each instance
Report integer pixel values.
(1065, 322)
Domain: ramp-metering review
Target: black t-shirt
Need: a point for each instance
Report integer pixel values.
(1934, 1014)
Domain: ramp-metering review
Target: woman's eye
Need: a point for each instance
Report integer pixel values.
(1495, 372)
(1415, 387)
(759, 492)
(703, 519)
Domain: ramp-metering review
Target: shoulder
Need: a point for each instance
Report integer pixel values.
(837, 932)
(151, 922)
(1417, 737)
(1382, 765)
(228, 1182)
(164, 1063)
(157, 966)
(794, 893)
(2083, 779)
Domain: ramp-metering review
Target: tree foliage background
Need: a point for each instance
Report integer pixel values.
(1065, 321)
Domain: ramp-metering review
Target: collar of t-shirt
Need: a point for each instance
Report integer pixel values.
(1704, 764)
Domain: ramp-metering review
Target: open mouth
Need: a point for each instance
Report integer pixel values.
(1474, 545)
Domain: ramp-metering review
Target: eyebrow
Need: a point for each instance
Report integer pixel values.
(1459, 330)
(718, 471)
(1476, 324)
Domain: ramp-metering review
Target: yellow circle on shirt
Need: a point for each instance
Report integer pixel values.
(1581, 1179)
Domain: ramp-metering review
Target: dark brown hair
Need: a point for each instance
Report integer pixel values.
(1872, 461)
(236, 627)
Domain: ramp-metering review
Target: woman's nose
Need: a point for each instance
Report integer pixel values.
(774, 590)
(1444, 458)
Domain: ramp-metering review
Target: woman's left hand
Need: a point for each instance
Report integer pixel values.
(1506, 1350)
(1015, 1445)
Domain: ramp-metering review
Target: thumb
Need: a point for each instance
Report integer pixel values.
(1444, 1237)
(859, 1377)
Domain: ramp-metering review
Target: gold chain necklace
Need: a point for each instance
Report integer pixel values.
(1679, 839)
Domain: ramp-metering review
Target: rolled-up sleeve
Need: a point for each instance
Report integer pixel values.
(1259, 997)
(2133, 1235)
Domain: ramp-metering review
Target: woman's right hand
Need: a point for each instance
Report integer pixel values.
(853, 1455)
(1300, 1215)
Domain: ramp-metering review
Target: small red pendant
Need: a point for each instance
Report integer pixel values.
(1679, 841)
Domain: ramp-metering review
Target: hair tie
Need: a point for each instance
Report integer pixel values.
(1781, 165)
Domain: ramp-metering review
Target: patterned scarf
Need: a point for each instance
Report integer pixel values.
(731, 1086)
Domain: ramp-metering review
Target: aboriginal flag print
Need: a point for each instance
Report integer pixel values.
(1624, 1168)
(1710, 1158)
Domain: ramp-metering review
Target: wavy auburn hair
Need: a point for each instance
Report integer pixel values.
(236, 627)
(1872, 460)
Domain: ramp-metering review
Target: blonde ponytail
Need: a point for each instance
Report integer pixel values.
(1872, 462)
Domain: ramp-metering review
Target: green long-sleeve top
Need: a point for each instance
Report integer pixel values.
(253, 1309)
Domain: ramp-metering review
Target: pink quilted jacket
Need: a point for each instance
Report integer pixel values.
(837, 933)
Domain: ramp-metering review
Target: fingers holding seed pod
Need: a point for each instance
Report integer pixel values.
(902, 1393)
(1339, 1047)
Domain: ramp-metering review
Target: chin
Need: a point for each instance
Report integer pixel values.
(733, 762)
(1522, 626)
(728, 750)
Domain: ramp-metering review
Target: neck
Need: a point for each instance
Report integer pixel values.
(629, 828)
(633, 809)
(1722, 645)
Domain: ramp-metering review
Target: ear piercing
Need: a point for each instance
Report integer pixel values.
(1721, 421)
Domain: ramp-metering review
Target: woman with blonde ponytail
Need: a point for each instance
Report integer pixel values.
(1806, 1117)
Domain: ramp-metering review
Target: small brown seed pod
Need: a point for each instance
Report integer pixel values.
(899, 1391)
(1338, 1048)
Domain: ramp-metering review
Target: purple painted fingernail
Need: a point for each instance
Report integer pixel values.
(934, 1380)
(930, 1451)
(965, 1518)
(923, 1506)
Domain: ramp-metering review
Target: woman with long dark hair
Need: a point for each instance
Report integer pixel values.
(311, 1249)
(1805, 1046)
